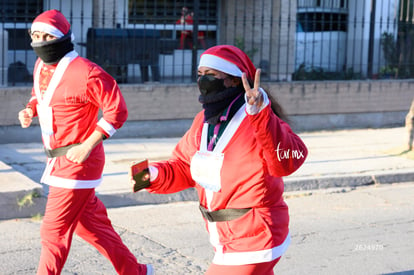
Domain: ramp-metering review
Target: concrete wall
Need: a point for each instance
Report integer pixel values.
(265, 29)
(167, 110)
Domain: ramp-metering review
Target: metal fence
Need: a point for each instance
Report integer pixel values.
(160, 41)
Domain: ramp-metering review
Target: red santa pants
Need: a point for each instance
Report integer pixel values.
(80, 211)
(249, 269)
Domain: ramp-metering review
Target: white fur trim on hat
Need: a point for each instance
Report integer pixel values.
(220, 64)
(44, 27)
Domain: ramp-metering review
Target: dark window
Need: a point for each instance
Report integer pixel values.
(169, 11)
(20, 11)
(19, 39)
(322, 22)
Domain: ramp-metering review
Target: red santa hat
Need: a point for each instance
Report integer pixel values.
(228, 59)
(52, 22)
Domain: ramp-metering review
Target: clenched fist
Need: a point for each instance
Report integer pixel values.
(25, 117)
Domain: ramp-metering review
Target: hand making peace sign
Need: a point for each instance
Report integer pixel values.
(254, 95)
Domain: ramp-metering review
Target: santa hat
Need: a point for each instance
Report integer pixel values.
(52, 22)
(228, 59)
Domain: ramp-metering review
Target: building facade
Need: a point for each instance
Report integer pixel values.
(141, 40)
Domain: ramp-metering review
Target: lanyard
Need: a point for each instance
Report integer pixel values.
(213, 140)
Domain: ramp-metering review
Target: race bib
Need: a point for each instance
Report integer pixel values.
(206, 169)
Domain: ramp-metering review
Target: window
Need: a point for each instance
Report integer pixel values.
(174, 19)
(169, 11)
(19, 39)
(16, 16)
(327, 4)
(20, 11)
(322, 22)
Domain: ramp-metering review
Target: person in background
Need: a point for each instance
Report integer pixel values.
(67, 93)
(235, 155)
(186, 37)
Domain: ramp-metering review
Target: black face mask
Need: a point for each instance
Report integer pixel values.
(215, 97)
(208, 84)
(52, 51)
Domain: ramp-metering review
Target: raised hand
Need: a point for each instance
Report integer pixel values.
(254, 95)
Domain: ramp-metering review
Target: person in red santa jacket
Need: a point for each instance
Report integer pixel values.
(235, 155)
(67, 93)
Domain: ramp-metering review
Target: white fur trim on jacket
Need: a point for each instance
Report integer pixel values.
(106, 126)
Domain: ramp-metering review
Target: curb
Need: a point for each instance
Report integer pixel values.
(33, 206)
(21, 199)
(325, 182)
(10, 209)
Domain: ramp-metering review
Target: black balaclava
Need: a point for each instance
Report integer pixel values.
(215, 97)
(51, 52)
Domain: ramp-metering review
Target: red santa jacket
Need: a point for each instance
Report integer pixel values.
(83, 89)
(258, 150)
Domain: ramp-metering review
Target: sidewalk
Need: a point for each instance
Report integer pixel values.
(337, 159)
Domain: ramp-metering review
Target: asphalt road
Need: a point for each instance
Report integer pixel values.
(367, 230)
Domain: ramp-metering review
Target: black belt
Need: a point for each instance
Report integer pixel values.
(223, 215)
(57, 152)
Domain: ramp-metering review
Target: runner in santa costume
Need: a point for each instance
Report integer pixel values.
(68, 92)
(235, 154)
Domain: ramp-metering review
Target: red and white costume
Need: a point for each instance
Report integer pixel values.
(67, 98)
(244, 170)
(68, 113)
